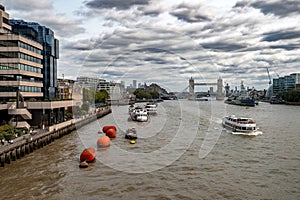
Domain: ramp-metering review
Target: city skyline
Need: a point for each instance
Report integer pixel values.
(169, 42)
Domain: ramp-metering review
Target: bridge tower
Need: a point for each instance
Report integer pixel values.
(220, 95)
(192, 89)
(219, 84)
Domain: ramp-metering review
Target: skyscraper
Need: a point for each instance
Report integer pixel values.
(134, 83)
(50, 52)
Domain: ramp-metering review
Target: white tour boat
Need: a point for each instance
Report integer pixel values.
(240, 125)
(151, 108)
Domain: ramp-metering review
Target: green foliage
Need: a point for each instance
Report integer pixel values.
(292, 96)
(88, 95)
(6, 132)
(101, 96)
(141, 94)
(8, 135)
(68, 115)
(85, 106)
(154, 95)
(4, 128)
(93, 96)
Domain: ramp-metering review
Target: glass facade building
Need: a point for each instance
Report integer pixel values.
(286, 83)
(50, 52)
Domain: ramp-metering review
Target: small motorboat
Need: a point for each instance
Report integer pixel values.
(131, 108)
(132, 141)
(131, 134)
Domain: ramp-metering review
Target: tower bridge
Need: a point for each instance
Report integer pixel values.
(219, 84)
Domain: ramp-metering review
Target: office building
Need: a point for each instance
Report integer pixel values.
(64, 88)
(134, 83)
(286, 83)
(23, 58)
(50, 52)
(20, 64)
(89, 82)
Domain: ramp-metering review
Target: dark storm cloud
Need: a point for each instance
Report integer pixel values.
(118, 4)
(237, 69)
(110, 73)
(287, 47)
(189, 14)
(156, 60)
(152, 13)
(280, 8)
(182, 15)
(276, 7)
(221, 46)
(280, 35)
(150, 50)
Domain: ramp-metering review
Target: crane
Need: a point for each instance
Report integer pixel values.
(270, 82)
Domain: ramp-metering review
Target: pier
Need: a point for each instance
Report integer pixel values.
(30, 143)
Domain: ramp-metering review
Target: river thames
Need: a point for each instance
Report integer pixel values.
(181, 153)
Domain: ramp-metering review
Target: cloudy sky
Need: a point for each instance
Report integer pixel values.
(167, 42)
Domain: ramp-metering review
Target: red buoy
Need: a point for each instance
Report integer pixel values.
(88, 155)
(105, 128)
(111, 133)
(103, 141)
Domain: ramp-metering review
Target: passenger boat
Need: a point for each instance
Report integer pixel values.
(131, 134)
(240, 125)
(139, 114)
(131, 108)
(240, 101)
(151, 108)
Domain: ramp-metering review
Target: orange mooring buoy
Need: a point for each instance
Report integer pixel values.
(103, 141)
(111, 133)
(106, 128)
(88, 155)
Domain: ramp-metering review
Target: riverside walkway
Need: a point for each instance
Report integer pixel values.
(30, 142)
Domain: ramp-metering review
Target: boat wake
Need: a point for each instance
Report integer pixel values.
(248, 134)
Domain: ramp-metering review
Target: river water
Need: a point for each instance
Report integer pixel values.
(181, 153)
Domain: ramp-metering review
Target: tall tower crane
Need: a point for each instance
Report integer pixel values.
(270, 82)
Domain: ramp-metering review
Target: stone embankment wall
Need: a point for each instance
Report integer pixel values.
(30, 143)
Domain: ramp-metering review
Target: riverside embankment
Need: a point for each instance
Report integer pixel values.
(29, 143)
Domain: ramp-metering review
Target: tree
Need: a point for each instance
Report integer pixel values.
(154, 95)
(101, 96)
(93, 96)
(292, 96)
(88, 95)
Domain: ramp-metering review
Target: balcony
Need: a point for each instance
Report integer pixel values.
(20, 72)
(49, 104)
(22, 61)
(22, 124)
(25, 94)
(21, 83)
(23, 112)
